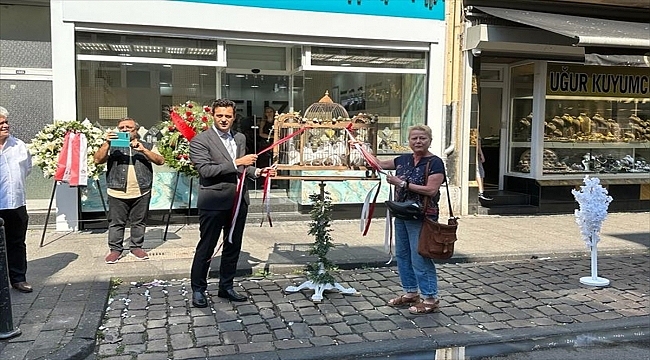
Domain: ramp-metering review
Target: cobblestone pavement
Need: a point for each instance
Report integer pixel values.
(157, 321)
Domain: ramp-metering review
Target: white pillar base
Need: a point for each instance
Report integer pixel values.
(591, 281)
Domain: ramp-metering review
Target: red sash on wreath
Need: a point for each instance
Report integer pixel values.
(72, 165)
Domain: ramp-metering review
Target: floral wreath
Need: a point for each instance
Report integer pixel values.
(186, 120)
(46, 146)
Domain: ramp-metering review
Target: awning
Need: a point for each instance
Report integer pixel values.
(585, 31)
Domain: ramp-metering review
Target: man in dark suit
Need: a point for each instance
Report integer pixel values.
(219, 155)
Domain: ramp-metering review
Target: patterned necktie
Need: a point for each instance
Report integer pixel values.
(230, 145)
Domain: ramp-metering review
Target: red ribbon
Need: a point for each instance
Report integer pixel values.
(182, 126)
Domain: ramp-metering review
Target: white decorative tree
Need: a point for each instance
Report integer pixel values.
(594, 201)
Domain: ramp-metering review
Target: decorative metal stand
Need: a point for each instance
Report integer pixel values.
(320, 287)
(49, 207)
(171, 204)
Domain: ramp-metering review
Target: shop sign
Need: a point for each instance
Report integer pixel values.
(421, 9)
(587, 80)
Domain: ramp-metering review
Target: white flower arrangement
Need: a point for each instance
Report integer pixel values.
(47, 145)
(594, 201)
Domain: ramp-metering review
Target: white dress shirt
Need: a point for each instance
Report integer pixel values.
(15, 166)
(229, 142)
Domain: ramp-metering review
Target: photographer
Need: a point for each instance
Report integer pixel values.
(129, 178)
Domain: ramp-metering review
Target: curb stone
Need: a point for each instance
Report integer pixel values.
(476, 345)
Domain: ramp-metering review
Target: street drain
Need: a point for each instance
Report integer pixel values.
(163, 255)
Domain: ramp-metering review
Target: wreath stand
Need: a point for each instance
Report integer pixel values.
(320, 278)
(49, 207)
(171, 203)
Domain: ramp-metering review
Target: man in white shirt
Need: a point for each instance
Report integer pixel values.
(15, 165)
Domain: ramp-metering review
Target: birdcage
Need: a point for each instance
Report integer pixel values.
(323, 144)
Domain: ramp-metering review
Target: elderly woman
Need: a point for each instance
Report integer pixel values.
(416, 272)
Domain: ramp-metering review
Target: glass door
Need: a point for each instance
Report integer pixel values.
(258, 97)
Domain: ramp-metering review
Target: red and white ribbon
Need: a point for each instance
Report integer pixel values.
(266, 200)
(72, 165)
(368, 208)
(240, 183)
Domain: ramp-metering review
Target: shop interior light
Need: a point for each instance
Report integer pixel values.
(346, 64)
(381, 60)
(255, 86)
(337, 58)
(167, 66)
(147, 48)
(127, 64)
(93, 46)
(201, 51)
(120, 47)
(403, 61)
(175, 50)
(240, 75)
(361, 59)
(320, 56)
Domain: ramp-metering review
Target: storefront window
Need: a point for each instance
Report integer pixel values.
(109, 91)
(397, 99)
(596, 120)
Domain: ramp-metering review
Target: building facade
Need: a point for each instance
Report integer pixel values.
(108, 62)
(508, 73)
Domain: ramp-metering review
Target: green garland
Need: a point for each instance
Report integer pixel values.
(321, 215)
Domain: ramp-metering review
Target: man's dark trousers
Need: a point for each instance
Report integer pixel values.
(16, 221)
(132, 210)
(212, 223)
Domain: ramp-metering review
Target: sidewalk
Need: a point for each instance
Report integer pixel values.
(511, 278)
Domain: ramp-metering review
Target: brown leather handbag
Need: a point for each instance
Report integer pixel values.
(437, 240)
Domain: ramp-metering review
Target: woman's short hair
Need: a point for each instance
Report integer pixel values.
(3, 112)
(424, 128)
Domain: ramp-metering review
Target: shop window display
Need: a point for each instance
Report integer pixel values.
(585, 132)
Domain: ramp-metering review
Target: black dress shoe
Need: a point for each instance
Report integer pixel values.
(231, 295)
(23, 286)
(199, 300)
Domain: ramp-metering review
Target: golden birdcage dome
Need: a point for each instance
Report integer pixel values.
(325, 110)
